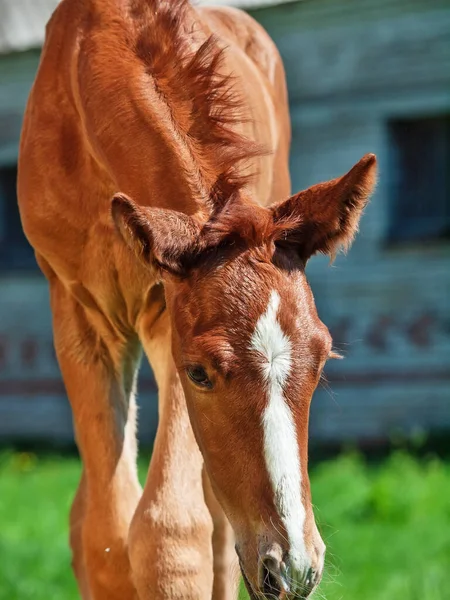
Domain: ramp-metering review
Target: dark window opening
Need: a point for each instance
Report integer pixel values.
(420, 184)
(15, 251)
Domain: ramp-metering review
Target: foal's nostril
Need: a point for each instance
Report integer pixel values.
(310, 582)
(272, 582)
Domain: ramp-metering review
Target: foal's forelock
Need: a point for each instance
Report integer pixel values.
(281, 448)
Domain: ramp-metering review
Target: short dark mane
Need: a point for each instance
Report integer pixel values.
(239, 225)
(204, 103)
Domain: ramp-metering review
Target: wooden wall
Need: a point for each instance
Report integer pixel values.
(351, 67)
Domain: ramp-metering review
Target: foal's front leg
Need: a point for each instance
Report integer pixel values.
(102, 404)
(170, 535)
(226, 565)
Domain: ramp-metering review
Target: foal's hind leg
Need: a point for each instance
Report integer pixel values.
(226, 566)
(100, 393)
(170, 535)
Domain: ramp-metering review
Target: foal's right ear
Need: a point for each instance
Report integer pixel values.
(158, 237)
(325, 216)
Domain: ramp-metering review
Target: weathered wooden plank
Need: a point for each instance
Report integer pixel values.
(47, 419)
(335, 49)
(379, 413)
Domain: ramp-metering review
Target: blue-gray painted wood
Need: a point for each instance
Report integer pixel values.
(351, 67)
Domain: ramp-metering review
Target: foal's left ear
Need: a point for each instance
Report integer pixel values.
(326, 216)
(159, 237)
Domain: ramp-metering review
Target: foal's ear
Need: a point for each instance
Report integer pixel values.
(326, 216)
(159, 237)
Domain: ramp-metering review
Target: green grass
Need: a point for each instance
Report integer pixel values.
(387, 527)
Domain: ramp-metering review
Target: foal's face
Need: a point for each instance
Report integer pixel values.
(250, 348)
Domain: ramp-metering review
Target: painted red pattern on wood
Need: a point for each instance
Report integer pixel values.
(50, 386)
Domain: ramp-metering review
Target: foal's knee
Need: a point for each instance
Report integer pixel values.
(99, 551)
(107, 564)
(170, 554)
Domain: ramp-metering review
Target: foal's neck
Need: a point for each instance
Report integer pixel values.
(165, 118)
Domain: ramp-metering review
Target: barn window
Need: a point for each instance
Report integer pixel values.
(15, 251)
(420, 184)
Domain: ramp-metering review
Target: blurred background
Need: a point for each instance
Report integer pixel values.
(364, 76)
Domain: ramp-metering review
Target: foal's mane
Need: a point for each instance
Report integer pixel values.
(203, 101)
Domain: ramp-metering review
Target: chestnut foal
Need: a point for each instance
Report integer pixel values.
(200, 264)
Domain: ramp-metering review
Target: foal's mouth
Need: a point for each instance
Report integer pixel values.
(251, 592)
(274, 586)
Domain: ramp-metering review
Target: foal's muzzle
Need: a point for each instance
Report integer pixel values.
(279, 580)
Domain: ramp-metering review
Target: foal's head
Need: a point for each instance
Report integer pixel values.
(250, 348)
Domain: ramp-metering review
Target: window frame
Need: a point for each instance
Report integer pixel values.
(404, 229)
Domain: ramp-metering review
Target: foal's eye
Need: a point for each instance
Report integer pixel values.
(199, 376)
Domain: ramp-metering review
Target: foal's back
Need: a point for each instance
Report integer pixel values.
(97, 122)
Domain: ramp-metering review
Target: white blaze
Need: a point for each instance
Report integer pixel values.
(280, 438)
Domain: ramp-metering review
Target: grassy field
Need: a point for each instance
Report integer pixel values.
(387, 527)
